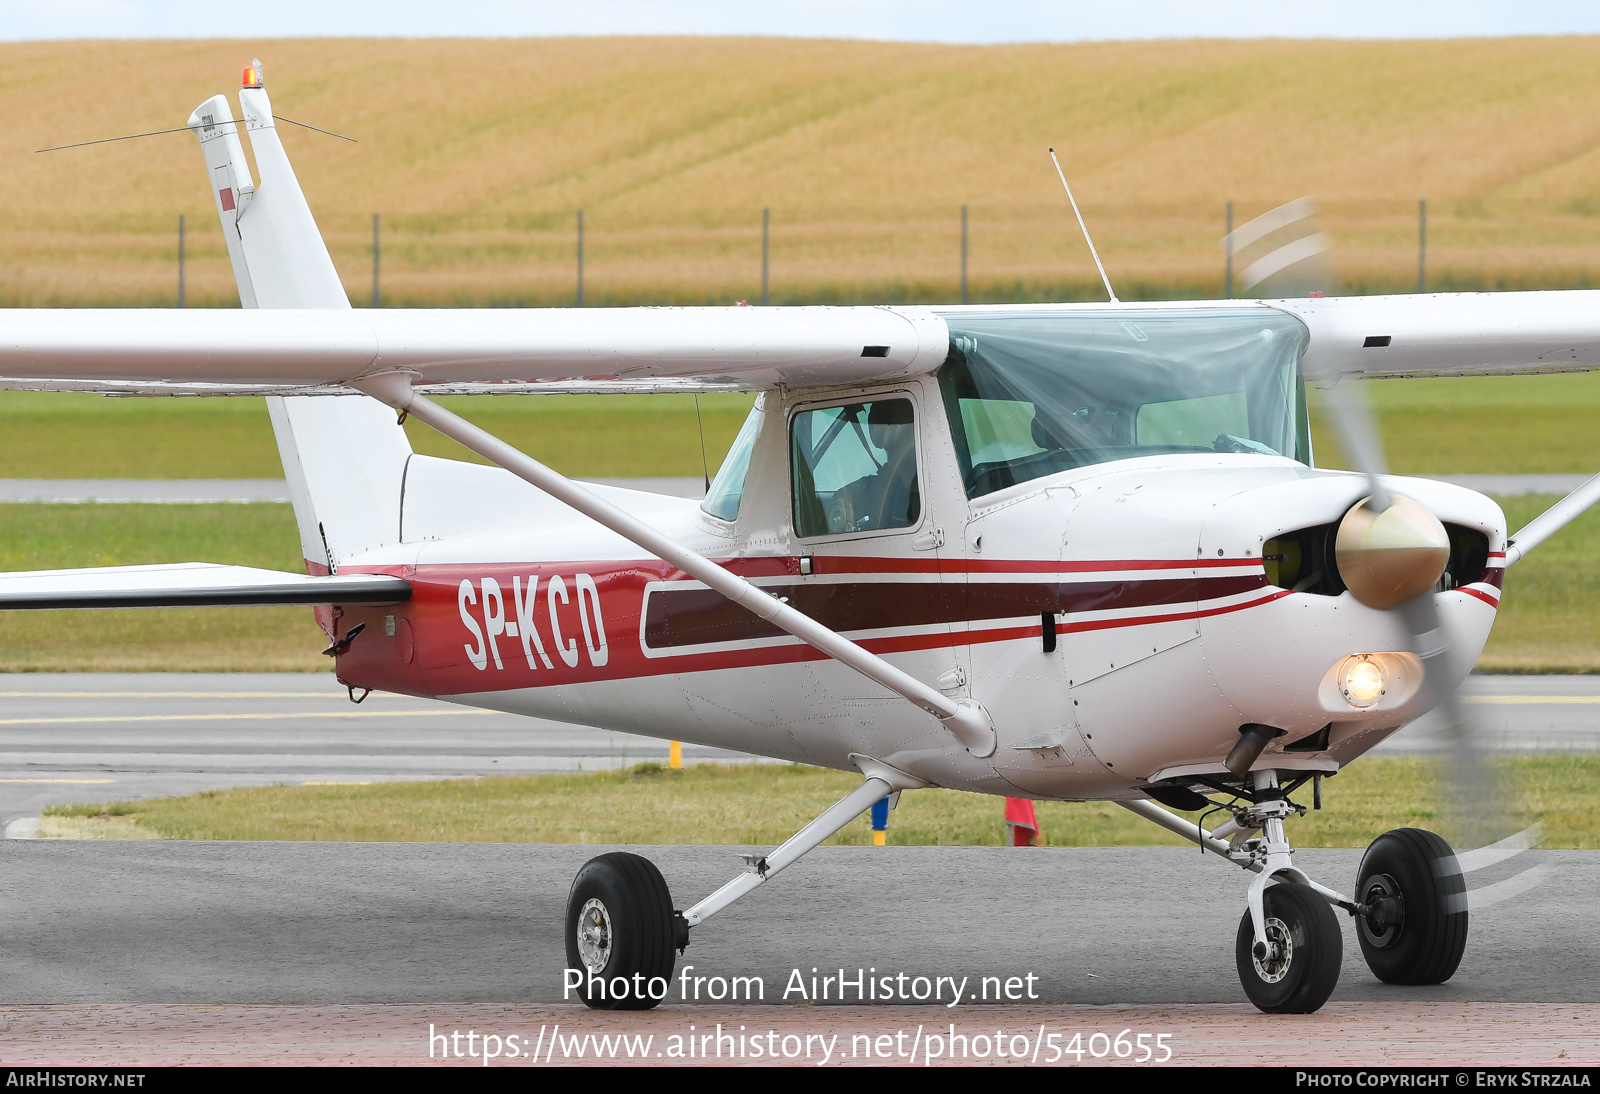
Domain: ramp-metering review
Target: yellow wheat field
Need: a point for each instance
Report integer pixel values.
(478, 154)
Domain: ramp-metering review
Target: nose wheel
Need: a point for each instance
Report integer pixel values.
(1297, 968)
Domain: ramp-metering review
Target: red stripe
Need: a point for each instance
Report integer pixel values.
(853, 565)
(1203, 613)
(789, 566)
(442, 644)
(1485, 597)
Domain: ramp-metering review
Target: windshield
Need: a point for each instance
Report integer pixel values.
(727, 489)
(1030, 394)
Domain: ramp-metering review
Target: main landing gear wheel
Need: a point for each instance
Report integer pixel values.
(1416, 931)
(621, 932)
(1303, 969)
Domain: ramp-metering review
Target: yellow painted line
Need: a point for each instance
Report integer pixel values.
(1519, 700)
(189, 695)
(239, 717)
(74, 782)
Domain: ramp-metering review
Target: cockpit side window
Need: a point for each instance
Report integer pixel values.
(855, 468)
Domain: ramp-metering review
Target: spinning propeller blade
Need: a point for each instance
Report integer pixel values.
(1392, 552)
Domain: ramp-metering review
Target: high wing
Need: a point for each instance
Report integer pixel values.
(1450, 334)
(249, 352)
(666, 349)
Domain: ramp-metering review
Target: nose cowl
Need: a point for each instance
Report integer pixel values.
(1390, 557)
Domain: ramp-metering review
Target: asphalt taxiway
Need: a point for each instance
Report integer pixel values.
(327, 923)
(69, 737)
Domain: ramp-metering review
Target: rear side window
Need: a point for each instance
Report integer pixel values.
(855, 468)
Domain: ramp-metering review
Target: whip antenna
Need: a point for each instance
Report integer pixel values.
(1096, 254)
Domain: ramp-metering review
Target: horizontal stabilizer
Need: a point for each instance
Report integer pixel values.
(191, 585)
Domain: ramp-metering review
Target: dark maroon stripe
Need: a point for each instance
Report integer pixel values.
(690, 617)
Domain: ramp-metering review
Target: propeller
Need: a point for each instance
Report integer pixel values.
(1391, 552)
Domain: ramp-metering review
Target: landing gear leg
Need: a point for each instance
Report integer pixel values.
(881, 779)
(1288, 948)
(622, 930)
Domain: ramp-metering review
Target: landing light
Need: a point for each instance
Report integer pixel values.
(1363, 683)
(252, 75)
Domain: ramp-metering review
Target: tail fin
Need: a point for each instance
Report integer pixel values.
(344, 457)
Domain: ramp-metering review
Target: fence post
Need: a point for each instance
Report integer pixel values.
(766, 233)
(1422, 245)
(580, 258)
(376, 256)
(1227, 247)
(963, 254)
(181, 302)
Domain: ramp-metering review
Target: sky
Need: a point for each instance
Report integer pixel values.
(967, 21)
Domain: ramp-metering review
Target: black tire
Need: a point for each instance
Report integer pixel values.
(1316, 949)
(622, 902)
(1420, 932)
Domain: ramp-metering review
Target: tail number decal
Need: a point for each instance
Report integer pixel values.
(521, 622)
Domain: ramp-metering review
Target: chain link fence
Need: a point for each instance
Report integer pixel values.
(904, 253)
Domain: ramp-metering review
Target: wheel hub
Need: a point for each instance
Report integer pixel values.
(594, 935)
(1274, 965)
(1386, 911)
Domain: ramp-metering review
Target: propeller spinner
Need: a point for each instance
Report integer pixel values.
(1390, 555)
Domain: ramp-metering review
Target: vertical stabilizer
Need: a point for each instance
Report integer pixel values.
(344, 457)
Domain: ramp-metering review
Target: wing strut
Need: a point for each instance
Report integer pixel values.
(965, 720)
(1553, 519)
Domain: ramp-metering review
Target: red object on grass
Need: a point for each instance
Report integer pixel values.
(1022, 822)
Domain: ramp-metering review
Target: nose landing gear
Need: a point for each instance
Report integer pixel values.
(1410, 907)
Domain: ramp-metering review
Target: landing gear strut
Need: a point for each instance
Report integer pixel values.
(1289, 949)
(622, 929)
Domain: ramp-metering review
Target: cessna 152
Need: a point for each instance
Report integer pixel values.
(1063, 552)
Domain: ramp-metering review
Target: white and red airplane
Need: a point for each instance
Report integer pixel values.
(1062, 552)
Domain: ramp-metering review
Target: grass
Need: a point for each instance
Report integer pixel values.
(1547, 620)
(763, 804)
(49, 435)
(479, 153)
(155, 639)
(1496, 425)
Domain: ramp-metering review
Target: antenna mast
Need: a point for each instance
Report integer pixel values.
(1096, 254)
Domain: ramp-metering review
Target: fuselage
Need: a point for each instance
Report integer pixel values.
(1118, 621)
